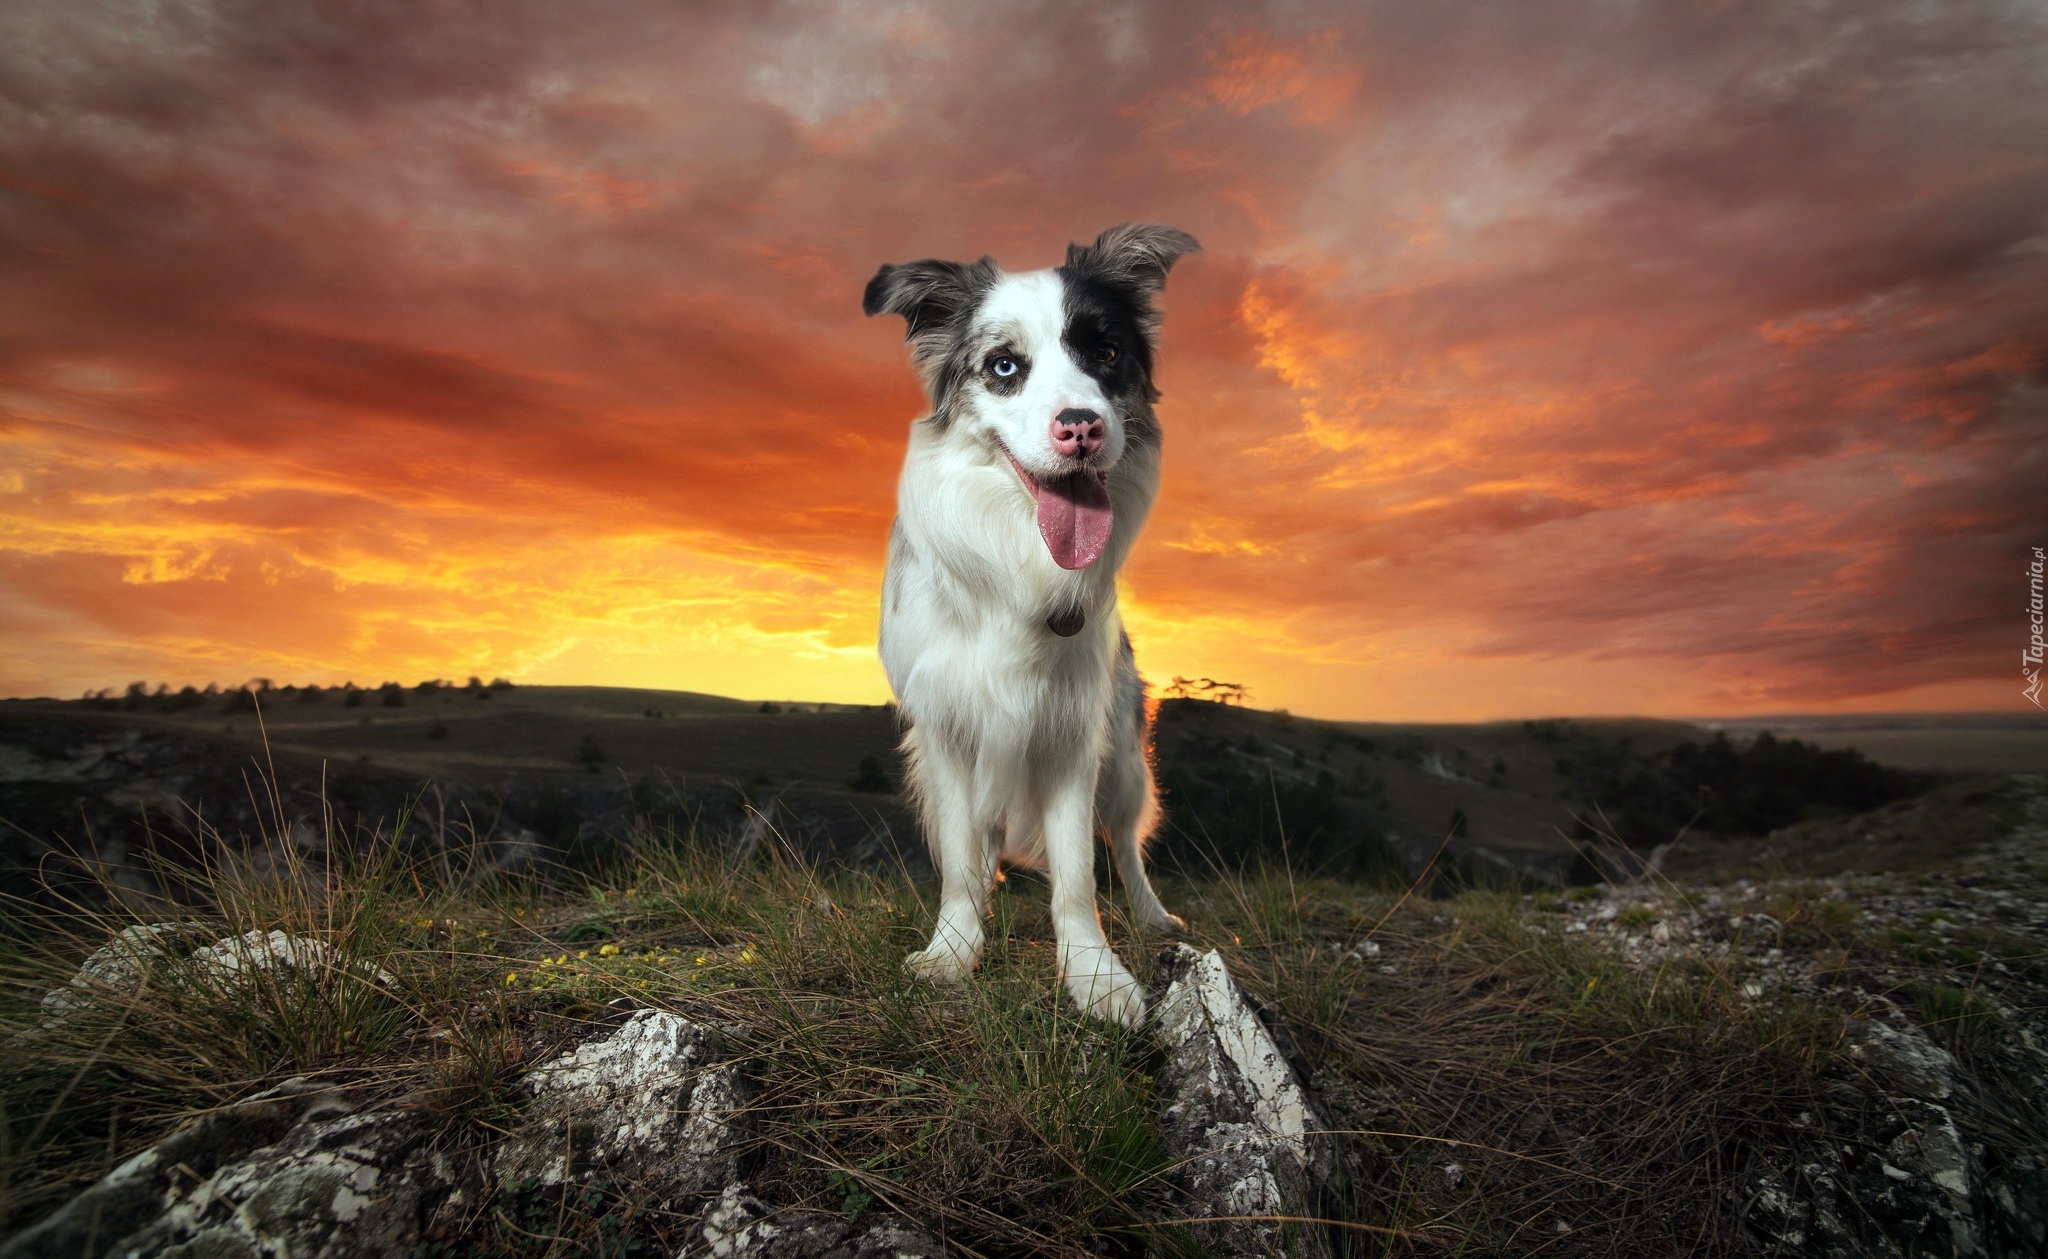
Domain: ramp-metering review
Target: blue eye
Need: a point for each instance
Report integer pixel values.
(1003, 366)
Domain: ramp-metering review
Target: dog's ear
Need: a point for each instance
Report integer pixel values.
(928, 294)
(1137, 254)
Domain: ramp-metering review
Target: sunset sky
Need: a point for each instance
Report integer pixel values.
(1543, 358)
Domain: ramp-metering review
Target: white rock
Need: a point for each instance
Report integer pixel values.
(1906, 1058)
(256, 953)
(291, 1171)
(1248, 1141)
(741, 1226)
(656, 1096)
(115, 968)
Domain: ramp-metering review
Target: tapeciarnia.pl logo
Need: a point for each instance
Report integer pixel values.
(2030, 658)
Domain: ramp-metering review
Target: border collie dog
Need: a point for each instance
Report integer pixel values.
(1021, 494)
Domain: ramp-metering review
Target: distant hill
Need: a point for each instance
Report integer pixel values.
(560, 773)
(1960, 743)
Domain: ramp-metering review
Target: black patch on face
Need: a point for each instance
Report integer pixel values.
(1105, 336)
(1109, 287)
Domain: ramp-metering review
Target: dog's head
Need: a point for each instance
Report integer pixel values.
(1049, 370)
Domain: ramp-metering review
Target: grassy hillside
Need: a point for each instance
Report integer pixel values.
(1626, 1069)
(1511, 1074)
(569, 771)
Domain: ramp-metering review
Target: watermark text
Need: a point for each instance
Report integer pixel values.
(2030, 657)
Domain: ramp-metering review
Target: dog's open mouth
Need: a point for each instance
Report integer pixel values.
(1074, 515)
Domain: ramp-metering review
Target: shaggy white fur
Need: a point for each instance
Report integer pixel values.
(1021, 495)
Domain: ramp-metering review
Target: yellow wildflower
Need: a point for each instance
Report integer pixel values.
(511, 979)
(609, 950)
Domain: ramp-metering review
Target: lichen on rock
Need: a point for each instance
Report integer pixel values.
(656, 1102)
(740, 1226)
(1251, 1147)
(292, 1171)
(116, 967)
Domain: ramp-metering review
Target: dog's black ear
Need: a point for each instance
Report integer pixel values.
(928, 294)
(1138, 254)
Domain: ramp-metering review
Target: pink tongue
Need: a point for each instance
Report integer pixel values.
(1074, 518)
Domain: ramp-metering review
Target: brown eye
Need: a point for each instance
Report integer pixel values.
(1106, 352)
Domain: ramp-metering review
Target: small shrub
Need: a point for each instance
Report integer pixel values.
(590, 753)
(1960, 1018)
(871, 778)
(1636, 917)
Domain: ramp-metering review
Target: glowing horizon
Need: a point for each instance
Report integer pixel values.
(1539, 362)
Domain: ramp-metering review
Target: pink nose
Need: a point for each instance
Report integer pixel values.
(1076, 433)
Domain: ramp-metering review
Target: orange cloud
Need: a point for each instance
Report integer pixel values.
(1252, 70)
(1590, 365)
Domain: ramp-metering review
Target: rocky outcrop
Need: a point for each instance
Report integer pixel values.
(305, 1171)
(292, 1171)
(1917, 1153)
(1909, 1180)
(657, 1103)
(1252, 1150)
(115, 970)
(239, 959)
(741, 1226)
(118, 966)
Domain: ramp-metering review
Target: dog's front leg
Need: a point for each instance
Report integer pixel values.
(966, 856)
(1098, 981)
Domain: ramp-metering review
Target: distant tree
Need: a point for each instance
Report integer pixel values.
(138, 692)
(392, 695)
(240, 700)
(311, 695)
(501, 684)
(871, 778)
(1231, 693)
(590, 754)
(351, 696)
(1722, 787)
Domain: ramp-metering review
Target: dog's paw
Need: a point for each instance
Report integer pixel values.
(1163, 923)
(938, 965)
(1108, 992)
